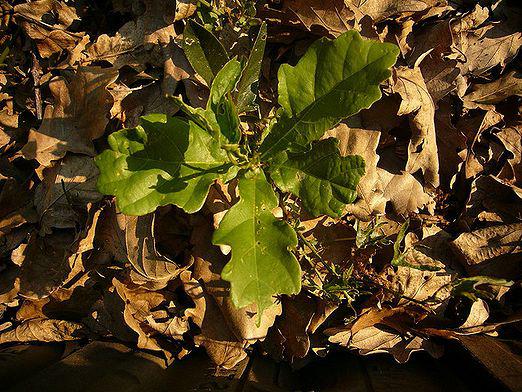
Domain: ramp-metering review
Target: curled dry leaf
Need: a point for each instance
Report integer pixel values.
(493, 251)
(492, 200)
(140, 307)
(416, 283)
(373, 333)
(78, 115)
(511, 137)
(223, 347)
(43, 330)
(484, 96)
(49, 38)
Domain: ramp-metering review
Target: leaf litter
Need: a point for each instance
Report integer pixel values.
(441, 150)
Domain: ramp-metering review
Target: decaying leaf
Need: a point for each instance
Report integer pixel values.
(43, 330)
(418, 104)
(494, 250)
(369, 336)
(77, 116)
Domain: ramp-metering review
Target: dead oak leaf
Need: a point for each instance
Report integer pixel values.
(493, 251)
(78, 115)
(488, 47)
(511, 137)
(52, 37)
(418, 104)
(220, 343)
(65, 191)
(404, 192)
(397, 9)
(374, 332)
(484, 96)
(43, 330)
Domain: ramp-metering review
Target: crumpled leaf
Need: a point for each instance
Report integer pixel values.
(187, 161)
(140, 244)
(386, 9)
(44, 330)
(221, 344)
(262, 263)
(140, 307)
(369, 336)
(511, 137)
(315, 95)
(484, 95)
(493, 251)
(335, 17)
(49, 38)
(490, 46)
(65, 191)
(404, 192)
(428, 285)
(324, 180)
(78, 115)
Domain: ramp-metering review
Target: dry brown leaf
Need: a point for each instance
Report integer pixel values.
(185, 8)
(140, 243)
(45, 264)
(430, 287)
(511, 137)
(488, 47)
(450, 142)
(223, 347)
(369, 336)
(49, 39)
(492, 200)
(418, 104)
(404, 192)
(478, 314)
(9, 284)
(492, 251)
(43, 330)
(78, 116)
(397, 9)
(65, 191)
(16, 206)
(140, 306)
(335, 17)
(484, 96)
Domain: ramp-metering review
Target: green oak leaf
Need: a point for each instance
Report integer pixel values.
(323, 179)
(248, 84)
(161, 161)
(262, 263)
(333, 80)
(203, 50)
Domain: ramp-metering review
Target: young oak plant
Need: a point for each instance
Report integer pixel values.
(175, 160)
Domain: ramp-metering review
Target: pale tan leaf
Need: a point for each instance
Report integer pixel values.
(78, 115)
(418, 104)
(485, 95)
(43, 330)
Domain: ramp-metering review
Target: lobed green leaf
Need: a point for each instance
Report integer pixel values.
(323, 179)
(162, 161)
(262, 263)
(333, 80)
